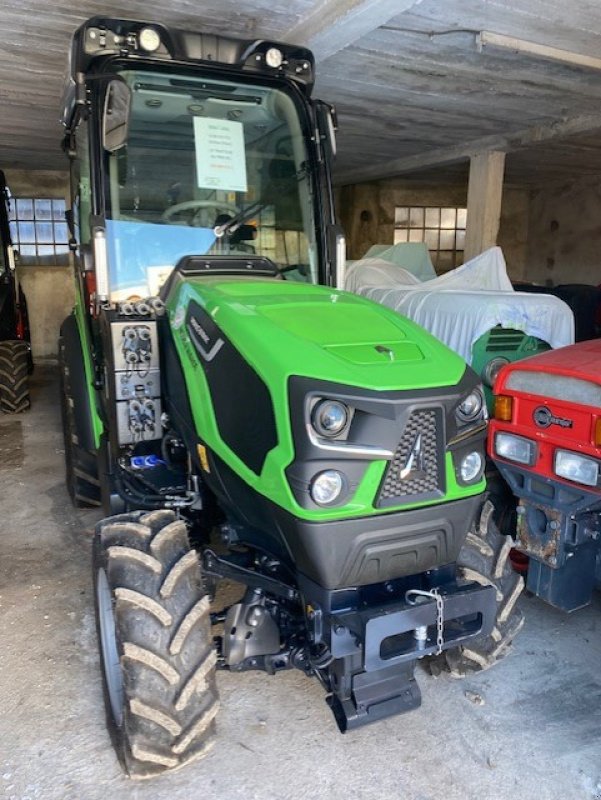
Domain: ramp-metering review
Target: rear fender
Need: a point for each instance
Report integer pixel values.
(79, 384)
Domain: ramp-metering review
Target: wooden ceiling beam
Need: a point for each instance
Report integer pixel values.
(529, 137)
(333, 25)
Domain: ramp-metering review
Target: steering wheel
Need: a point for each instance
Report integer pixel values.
(196, 206)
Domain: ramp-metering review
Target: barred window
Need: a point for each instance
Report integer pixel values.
(39, 231)
(441, 228)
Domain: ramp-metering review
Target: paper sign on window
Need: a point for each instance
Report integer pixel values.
(220, 156)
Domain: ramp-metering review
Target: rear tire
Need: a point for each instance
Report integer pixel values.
(81, 466)
(484, 558)
(157, 657)
(14, 371)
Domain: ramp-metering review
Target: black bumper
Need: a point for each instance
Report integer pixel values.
(383, 547)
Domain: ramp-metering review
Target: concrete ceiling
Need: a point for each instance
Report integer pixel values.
(415, 95)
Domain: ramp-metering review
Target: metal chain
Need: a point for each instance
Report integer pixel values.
(439, 621)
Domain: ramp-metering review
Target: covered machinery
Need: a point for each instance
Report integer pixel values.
(472, 309)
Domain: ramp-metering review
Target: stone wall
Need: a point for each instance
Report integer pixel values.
(565, 233)
(366, 212)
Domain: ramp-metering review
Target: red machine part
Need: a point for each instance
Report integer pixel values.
(20, 327)
(567, 424)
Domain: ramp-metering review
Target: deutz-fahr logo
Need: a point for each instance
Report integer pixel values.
(543, 417)
(416, 463)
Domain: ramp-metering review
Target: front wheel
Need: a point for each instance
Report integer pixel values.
(157, 659)
(484, 558)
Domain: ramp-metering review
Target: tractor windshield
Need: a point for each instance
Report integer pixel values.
(209, 167)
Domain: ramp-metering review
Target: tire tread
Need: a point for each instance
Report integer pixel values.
(164, 639)
(484, 559)
(14, 376)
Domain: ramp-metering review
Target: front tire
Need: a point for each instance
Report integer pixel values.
(158, 662)
(14, 371)
(484, 558)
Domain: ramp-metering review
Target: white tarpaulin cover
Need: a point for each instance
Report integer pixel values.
(413, 256)
(463, 304)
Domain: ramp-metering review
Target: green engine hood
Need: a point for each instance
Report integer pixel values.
(281, 329)
(284, 328)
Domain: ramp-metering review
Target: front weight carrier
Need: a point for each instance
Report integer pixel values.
(377, 680)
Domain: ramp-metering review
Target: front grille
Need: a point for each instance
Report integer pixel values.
(421, 444)
(504, 339)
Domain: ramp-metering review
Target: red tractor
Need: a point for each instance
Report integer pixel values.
(546, 441)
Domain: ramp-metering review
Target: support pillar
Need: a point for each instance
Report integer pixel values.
(484, 193)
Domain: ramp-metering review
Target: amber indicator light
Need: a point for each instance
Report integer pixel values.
(598, 432)
(503, 407)
(203, 457)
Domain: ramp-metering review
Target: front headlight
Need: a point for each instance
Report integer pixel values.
(576, 468)
(329, 417)
(471, 407)
(515, 448)
(492, 369)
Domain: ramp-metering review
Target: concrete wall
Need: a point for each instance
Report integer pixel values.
(366, 212)
(514, 232)
(50, 296)
(565, 233)
(49, 289)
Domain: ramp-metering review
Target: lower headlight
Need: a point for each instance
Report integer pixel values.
(326, 487)
(515, 448)
(470, 466)
(576, 468)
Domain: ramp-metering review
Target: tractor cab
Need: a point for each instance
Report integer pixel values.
(194, 145)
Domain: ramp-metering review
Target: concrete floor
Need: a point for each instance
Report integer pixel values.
(530, 727)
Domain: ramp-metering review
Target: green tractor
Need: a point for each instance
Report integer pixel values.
(241, 419)
(500, 346)
(15, 350)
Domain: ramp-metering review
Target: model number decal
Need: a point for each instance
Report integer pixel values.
(543, 417)
(207, 349)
